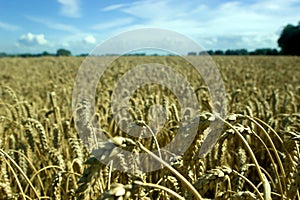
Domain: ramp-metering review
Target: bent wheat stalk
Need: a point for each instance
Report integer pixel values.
(260, 174)
(174, 171)
(21, 171)
(159, 187)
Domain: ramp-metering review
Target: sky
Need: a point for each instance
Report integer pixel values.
(34, 26)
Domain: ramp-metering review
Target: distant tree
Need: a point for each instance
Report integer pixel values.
(243, 52)
(236, 52)
(219, 52)
(2, 54)
(83, 55)
(289, 40)
(202, 53)
(133, 54)
(210, 52)
(25, 55)
(45, 53)
(192, 53)
(231, 52)
(264, 51)
(63, 52)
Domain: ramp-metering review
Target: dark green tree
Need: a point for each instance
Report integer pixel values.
(210, 52)
(45, 53)
(219, 52)
(264, 51)
(192, 53)
(289, 40)
(2, 54)
(63, 52)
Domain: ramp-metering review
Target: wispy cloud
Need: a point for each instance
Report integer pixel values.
(8, 27)
(70, 8)
(112, 7)
(30, 39)
(117, 23)
(150, 9)
(53, 25)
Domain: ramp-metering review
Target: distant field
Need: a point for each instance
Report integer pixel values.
(257, 155)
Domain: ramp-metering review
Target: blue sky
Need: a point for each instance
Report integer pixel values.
(35, 26)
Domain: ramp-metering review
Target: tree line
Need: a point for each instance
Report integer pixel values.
(64, 52)
(59, 52)
(238, 52)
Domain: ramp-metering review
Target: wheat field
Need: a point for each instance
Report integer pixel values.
(256, 156)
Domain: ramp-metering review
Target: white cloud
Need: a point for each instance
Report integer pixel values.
(8, 27)
(117, 23)
(112, 7)
(89, 39)
(30, 39)
(70, 8)
(53, 25)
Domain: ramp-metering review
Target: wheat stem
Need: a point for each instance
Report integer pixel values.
(261, 176)
(174, 171)
(21, 171)
(159, 187)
